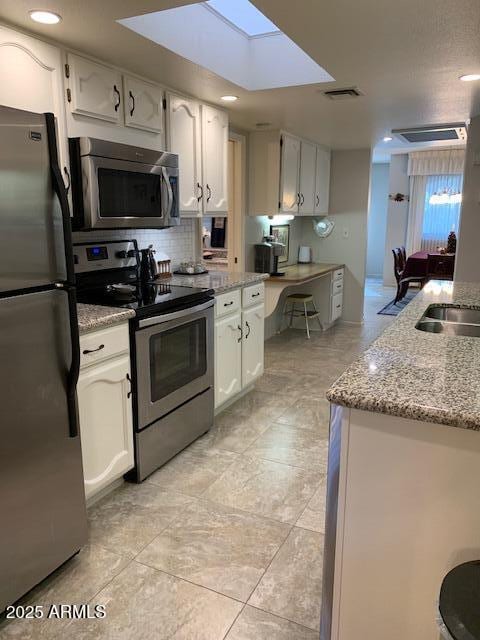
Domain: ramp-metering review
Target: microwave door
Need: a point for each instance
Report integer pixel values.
(170, 211)
(121, 194)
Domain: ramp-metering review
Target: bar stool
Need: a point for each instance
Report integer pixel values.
(301, 298)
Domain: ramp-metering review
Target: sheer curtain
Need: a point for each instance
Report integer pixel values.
(433, 172)
(440, 218)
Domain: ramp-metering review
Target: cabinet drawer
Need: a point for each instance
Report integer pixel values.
(104, 343)
(253, 294)
(337, 286)
(337, 275)
(337, 306)
(226, 303)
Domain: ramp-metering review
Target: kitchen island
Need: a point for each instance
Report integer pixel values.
(403, 504)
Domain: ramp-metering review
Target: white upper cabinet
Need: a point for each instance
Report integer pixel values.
(308, 158)
(95, 90)
(32, 80)
(215, 160)
(184, 138)
(322, 181)
(287, 175)
(290, 171)
(143, 104)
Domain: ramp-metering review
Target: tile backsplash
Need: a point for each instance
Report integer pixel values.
(176, 243)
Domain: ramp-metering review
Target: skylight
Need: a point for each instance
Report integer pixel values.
(243, 15)
(234, 40)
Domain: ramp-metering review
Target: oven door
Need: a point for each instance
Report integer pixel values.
(119, 194)
(174, 360)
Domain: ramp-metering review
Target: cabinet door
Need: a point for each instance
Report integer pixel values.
(289, 187)
(32, 80)
(105, 412)
(143, 105)
(253, 344)
(336, 306)
(308, 159)
(322, 181)
(215, 160)
(184, 138)
(96, 90)
(228, 357)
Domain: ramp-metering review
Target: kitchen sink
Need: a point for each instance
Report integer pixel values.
(450, 321)
(453, 314)
(449, 328)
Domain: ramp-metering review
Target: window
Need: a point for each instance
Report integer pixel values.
(442, 210)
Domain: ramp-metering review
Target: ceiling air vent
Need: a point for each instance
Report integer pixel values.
(433, 133)
(343, 94)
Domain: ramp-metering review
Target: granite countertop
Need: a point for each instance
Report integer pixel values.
(418, 375)
(219, 281)
(304, 272)
(93, 316)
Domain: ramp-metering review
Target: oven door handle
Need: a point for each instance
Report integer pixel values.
(166, 317)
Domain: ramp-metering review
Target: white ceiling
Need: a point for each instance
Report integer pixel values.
(405, 57)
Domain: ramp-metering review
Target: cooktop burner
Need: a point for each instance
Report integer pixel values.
(145, 298)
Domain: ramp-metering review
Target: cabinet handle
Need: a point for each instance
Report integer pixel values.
(228, 304)
(241, 333)
(118, 96)
(130, 382)
(249, 330)
(303, 200)
(66, 172)
(132, 98)
(199, 186)
(86, 351)
(298, 199)
(209, 193)
(255, 295)
(317, 200)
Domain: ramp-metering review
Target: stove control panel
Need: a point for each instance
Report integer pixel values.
(97, 256)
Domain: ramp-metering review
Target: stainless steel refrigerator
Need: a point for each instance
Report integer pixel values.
(42, 504)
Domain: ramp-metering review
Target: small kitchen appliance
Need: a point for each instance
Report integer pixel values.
(171, 349)
(117, 186)
(148, 265)
(304, 255)
(267, 254)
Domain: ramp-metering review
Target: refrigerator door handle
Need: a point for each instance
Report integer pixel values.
(61, 191)
(72, 377)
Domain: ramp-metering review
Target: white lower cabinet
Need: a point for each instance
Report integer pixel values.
(228, 357)
(105, 412)
(239, 341)
(253, 344)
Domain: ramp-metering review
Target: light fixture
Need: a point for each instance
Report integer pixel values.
(470, 77)
(281, 219)
(387, 139)
(45, 17)
(229, 98)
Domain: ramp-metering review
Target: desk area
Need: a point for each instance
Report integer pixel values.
(323, 280)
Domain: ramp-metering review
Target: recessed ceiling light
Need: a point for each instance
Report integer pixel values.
(45, 17)
(229, 98)
(387, 139)
(470, 77)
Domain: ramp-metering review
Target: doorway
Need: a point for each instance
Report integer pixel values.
(223, 238)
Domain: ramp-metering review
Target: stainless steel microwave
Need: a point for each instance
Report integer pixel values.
(118, 186)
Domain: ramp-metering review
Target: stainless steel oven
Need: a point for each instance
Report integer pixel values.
(118, 186)
(176, 355)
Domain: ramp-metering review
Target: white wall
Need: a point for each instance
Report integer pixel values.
(467, 267)
(397, 214)
(377, 219)
(349, 203)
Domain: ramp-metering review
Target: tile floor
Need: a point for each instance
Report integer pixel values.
(225, 541)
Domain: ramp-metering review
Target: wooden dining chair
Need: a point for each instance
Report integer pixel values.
(440, 267)
(403, 282)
